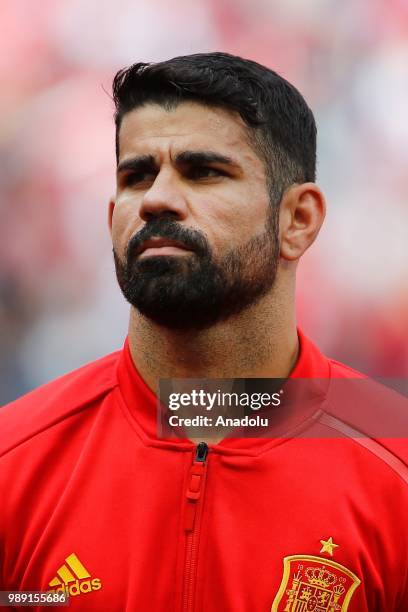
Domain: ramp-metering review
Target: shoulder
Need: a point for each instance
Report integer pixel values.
(55, 401)
(366, 410)
(341, 370)
(370, 412)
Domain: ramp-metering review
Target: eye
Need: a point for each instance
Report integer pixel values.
(134, 178)
(201, 172)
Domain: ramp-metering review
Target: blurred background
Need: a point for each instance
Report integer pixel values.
(59, 303)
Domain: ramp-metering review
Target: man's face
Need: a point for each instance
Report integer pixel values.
(195, 238)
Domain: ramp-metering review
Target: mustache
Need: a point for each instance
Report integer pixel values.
(168, 228)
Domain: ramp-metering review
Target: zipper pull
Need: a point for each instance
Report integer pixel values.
(201, 452)
(197, 472)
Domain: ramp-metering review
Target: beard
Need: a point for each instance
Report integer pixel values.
(196, 290)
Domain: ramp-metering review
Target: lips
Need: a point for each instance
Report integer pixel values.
(161, 246)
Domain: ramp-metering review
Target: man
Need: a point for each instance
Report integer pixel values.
(215, 204)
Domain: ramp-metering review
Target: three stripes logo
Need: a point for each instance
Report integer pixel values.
(73, 578)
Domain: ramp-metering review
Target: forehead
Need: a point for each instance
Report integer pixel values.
(152, 129)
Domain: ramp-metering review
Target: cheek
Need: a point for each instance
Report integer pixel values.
(116, 234)
(240, 216)
(124, 225)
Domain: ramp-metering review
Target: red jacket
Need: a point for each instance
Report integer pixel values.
(92, 502)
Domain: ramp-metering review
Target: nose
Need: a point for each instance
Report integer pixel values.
(165, 196)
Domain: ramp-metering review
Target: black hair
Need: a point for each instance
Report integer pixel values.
(281, 125)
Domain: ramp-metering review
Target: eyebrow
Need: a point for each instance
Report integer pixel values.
(193, 158)
(196, 158)
(141, 162)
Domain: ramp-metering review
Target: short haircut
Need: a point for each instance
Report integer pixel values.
(280, 124)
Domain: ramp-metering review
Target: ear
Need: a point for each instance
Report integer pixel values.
(302, 212)
(110, 213)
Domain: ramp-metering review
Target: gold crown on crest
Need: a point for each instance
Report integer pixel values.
(320, 576)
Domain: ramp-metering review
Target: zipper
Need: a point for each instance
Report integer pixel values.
(194, 494)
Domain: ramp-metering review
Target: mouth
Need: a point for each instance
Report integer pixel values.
(161, 246)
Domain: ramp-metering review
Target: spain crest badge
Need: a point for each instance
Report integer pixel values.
(314, 584)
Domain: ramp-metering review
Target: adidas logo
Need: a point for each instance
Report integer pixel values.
(73, 578)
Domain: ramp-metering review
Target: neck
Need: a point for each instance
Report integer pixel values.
(260, 342)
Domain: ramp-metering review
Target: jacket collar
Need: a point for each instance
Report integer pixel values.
(141, 402)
